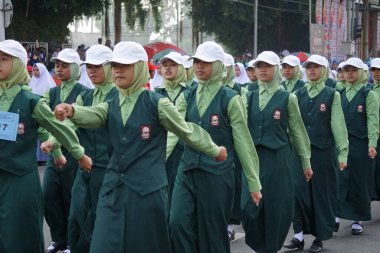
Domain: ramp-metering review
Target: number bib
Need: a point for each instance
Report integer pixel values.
(8, 126)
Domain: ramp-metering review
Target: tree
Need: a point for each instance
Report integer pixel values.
(48, 20)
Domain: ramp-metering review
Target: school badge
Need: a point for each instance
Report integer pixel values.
(277, 114)
(360, 108)
(21, 128)
(322, 107)
(145, 131)
(214, 120)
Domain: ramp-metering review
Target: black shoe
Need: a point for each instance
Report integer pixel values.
(55, 247)
(336, 227)
(231, 235)
(317, 246)
(357, 231)
(295, 244)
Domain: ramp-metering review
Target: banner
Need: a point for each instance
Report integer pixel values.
(317, 44)
(318, 11)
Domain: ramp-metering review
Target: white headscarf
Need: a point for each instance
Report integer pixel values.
(243, 78)
(84, 79)
(157, 81)
(42, 84)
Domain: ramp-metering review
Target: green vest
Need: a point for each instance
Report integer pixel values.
(316, 116)
(164, 93)
(355, 113)
(237, 87)
(95, 140)
(253, 86)
(268, 127)
(299, 84)
(138, 148)
(330, 83)
(19, 157)
(216, 122)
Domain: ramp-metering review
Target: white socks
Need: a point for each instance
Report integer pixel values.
(337, 220)
(230, 228)
(356, 226)
(299, 236)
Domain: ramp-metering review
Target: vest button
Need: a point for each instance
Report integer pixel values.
(200, 122)
(124, 138)
(309, 113)
(259, 126)
(122, 175)
(123, 156)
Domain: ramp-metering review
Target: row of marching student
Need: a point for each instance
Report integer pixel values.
(173, 170)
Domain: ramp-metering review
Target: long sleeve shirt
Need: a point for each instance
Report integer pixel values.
(243, 143)
(337, 122)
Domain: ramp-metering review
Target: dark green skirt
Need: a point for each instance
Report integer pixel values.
(267, 225)
(235, 216)
(376, 179)
(316, 200)
(355, 182)
(171, 167)
(21, 213)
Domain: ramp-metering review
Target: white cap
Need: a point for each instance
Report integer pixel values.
(355, 62)
(187, 61)
(68, 55)
(251, 64)
(365, 67)
(15, 49)
(228, 60)
(340, 66)
(268, 57)
(317, 59)
(174, 56)
(97, 55)
(128, 52)
(209, 51)
(291, 60)
(375, 63)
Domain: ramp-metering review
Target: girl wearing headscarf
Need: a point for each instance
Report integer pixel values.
(132, 210)
(204, 189)
(273, 118)
(361, 111)
(291, 73)
(341, 83)
(229, 73)
(41, 81)
(316, 200)
(84, 78)
(61, 168)
(188, 64)
(253, 84)
(240, 74)
(21, 201)
(174, 74)
(375, 71)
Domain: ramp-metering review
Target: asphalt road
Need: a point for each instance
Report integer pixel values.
(342, 242)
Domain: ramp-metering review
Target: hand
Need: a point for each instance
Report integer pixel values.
(308, 173)
(85, 163)
(60, 162)
(63, 111)
(47, 146)
(342, 166)
(372, 152)
(222, 154)
(256, 197)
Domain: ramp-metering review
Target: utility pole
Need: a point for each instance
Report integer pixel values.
(365, 29)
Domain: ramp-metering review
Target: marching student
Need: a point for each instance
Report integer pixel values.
(291, 73)
(361, 111)
(174, 74)
(41, 81)
(273, 118)
(132, 211)
(341, 83)
(240, 74)
(21, 201)
(61, 169)
(316, 200)
(204, 189)
(229, 75)
(375, 71)
(253, 85)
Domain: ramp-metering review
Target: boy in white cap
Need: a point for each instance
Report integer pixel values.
(316, 200)
(361, 111)
(204, 189)
(132, 210)
(21, 201)
(253, 85)
(61, 170)
(174, 74)
(375, 71)
(291, 73)
(273, 119)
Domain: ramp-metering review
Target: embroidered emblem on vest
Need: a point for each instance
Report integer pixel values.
(214, 119)
(360, 108)
(145, 132)
(322, 107)
(277, 114)
(21, 128)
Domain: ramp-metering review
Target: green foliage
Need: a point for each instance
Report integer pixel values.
(47, 20)
(137, 10)
(232, 23)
